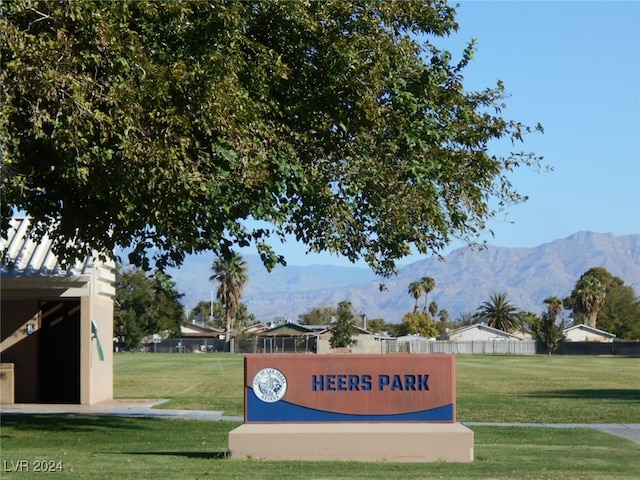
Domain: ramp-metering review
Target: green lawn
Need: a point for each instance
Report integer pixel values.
(117, 448)
(493, 388)
(188, 381)
(556, 389)
(544, 389)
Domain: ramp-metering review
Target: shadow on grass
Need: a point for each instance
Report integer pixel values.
(627, 395)
(66, 422)
(214, 455)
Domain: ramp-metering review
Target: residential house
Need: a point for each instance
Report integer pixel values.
(199, 330)
(290, 338)
(479, 332)
(366, 342)
(585, 333)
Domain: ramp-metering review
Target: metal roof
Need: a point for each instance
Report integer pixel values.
(287, 330)
(23, 256)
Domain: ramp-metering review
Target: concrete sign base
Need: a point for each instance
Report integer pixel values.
(366, 442)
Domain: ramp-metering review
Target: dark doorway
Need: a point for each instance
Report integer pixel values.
(59, 352)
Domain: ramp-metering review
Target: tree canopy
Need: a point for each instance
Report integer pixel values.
(344, 330)
(600, 296)
(589, 294)
(231, 274)
(318, 316)
(500, 313)
(547, 329)
(419, 323)
(173, 127)
(145, 305)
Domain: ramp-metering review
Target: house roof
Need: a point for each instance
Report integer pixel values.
(188, 329)
(589, 329)
(255, 329)
(288, 330)
(481, 326)
(412, 338)
(297, 330)
(323, 330)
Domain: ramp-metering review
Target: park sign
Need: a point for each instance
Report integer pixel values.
(348, 407)
(349, 388)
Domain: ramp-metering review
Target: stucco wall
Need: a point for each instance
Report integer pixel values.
(477, 334)
(99, 386)
(366, 344)
(578, 335)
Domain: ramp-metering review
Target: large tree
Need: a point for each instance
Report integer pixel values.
(499, 313)
(415, 289)
(554, 305)
(618, 307)
(419, 323)
(620, 314)
(231, 275)
(144, 305)
(589, 294)
(171, 127)
(318, 316)
(211, 313)
(433, 309)
(344, 331)
(548, 332)
(428, 284)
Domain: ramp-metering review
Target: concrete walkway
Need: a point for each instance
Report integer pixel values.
(630, 431)
(145, 409)
(116, 408)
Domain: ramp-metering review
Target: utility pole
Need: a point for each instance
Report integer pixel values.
(211, 310)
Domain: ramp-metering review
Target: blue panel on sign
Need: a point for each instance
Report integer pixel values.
(281, 411)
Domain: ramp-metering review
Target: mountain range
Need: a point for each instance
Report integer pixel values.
(464, 279)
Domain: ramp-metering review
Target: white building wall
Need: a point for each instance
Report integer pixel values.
(478, 334)
(579, 335)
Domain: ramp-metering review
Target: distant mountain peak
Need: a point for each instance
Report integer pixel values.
(464, 279)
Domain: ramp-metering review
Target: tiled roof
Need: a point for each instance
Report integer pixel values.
(24, 256)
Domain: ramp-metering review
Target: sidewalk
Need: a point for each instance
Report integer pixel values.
(630, 431)
(116, 408)
(145, 408)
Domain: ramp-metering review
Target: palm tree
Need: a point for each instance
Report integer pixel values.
(554, 304)
(500, 313)
(415, 290)
(433, 309)
(428, 284)
(589, 294)
(231, 274)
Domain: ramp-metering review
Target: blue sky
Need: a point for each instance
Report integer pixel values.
(574, 67)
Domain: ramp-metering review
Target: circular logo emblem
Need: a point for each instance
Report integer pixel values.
(269, 385)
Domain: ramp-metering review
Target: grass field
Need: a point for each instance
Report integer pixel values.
(556, 389)
(492, 388)
(544, 389)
